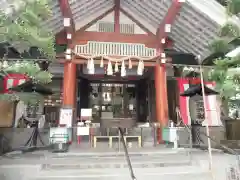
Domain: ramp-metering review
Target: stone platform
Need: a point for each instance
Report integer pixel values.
(92, 164)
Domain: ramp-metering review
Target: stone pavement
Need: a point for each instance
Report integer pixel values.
(79, 164)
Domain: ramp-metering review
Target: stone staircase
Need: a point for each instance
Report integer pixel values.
(169, 164)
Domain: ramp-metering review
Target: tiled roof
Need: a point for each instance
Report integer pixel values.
(195, 26)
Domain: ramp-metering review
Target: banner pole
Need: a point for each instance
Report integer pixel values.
(206, 120)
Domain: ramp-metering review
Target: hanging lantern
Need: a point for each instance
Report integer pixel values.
(129, 64)
(123, 69)
(101, 63)
(5, 64)
(116, 67)
(91, 69)
(109, 68)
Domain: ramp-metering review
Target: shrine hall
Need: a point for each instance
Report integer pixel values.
(123, 59)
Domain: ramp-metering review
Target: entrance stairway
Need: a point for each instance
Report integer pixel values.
(163, 164)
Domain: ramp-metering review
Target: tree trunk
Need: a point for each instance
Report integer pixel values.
(224, 110)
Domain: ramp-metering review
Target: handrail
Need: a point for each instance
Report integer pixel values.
(230, 150)
(126, 154)
(190, 137)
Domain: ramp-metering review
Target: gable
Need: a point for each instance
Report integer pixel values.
(106, 24)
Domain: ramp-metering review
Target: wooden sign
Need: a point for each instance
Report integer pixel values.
(66, 117)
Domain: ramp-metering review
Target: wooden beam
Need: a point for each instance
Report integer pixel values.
(97, 61)
(168, 19)
(148, 40)
(67, 13)
(84, 37)
(117, 16)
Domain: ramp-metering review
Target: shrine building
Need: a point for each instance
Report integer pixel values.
(121, 57)
(124, 59)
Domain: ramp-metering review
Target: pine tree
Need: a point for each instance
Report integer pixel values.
(21, 28)
(226, 72)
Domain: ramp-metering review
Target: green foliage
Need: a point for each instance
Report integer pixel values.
(31, 69)
(226, 73)
(230, 30)
(233, 7)
(28, 98)
(21, 26)
(219, 45)
(227, 80)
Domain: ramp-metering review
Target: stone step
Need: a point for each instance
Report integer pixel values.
(121, 159)
(107, 165)
(138, 153)
(100, 158)
(140, 173)
(183, 176)
(96, 163)
(195, 176)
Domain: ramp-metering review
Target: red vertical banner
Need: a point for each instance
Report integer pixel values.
(212, 105)
(183, 84)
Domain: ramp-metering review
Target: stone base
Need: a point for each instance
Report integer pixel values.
(17, 137)
(233, 144)
(216, 133)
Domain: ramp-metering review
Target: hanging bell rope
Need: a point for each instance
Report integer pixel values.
(140, 68)
(101, 63)
(123, 69)
(91, 68)
(109, 68)
(116, 67)
(129, 64)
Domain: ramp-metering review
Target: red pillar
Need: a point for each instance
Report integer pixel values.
(69, 85)
(161, 98)
(165, 95)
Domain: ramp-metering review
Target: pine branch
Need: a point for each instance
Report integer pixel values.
(24, 24)
(233, 7)
(219, 46)
(230, 30)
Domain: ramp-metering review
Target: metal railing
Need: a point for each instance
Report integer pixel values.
(229, 150)
(126, 154)
(232, 172)
(189, 131)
